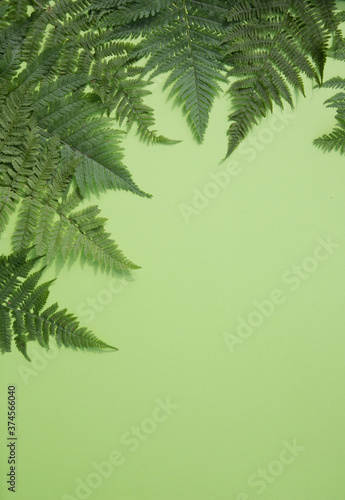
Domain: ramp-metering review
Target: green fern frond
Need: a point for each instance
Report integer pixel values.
(132, 12)
(89, 138)
(5, 330)
(101, 8)
(183, 39)
(26, 224)
(270, 46)
(50, 92)
(335, 140)
(91, 239)
(15, 117)
(38, 69)
(33, 43)
(8, 201)
(121, 90)
(136, 18)
(18, 149)
(18, 9)
(22, 314)
(337, 82)
(117, 81)
(65, 26)
(45, 220)
(12, 32)
(9, 63)
(15, 171)
(69, 203)
(4, 9)
(38, 173)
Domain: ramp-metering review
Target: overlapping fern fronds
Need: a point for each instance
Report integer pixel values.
(181, 38)
(121, 88)
(76, 120)
(84, 48)
(63, 108)
(68, 69)
(24, 317)
(267, 46)
(271, 47)
(335, 140)
(37, 177)
(52, 135)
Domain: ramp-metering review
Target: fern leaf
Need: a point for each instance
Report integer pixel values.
(22, 317)
(15, 171)
(43, 229)
(68, 240)
(189, 49)
(87, 235)
(45, 221)
(20, 335)
(121, 90)
(5, 330)
(9, 63)
(55, 239)
(334, 141)
(138, 10)
(8, 201)
(33, 42)
(14, 121)
(270, 46)
(183, 39)
(26, 288)
(90, 139)
(17, 267)
(69, 203)
(26, 224)
(50, 92)
(37, 69)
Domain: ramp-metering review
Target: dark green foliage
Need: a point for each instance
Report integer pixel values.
(264, 47)
(90, 139)
(181, 38)
(22, 314)
(53, 135)
(88, 50)
(65, 110)
(121, 88)
(335, 140)
(270, 47)
(56, 147)
(39, 178)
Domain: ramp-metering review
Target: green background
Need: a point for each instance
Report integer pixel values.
(233, 408)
